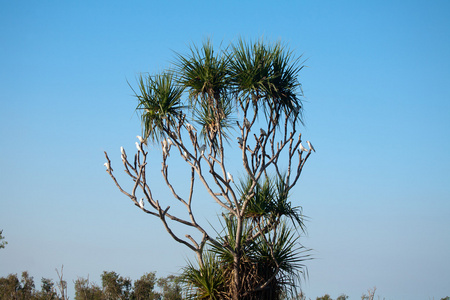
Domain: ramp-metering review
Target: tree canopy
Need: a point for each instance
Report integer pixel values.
(245, 99)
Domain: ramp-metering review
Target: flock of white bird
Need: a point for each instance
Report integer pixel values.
(166, 144)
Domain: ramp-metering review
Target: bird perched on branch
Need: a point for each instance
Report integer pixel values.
(311, 146)
(165, 148)
(303, 148)
(189, 127)
(139, 147)
(141, 140)
(202, 149)
(230, 177)
(141, 203)
(124, 155)
(185, 156)
(108, 166)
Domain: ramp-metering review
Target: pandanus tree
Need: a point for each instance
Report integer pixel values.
(244, 100)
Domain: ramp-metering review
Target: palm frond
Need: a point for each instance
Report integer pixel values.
(212, 122)
(283, 207)
(205, 281)
(203, 73)
(266, 75)
(159, 104)
(271, 200)
(288, 254)
(263, 195)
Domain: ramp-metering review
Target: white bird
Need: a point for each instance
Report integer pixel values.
(303, 148)
(230, 177)
(139, 147)
(202, 149)
(165, 147)
(189, 127)
(106, 164)
(263, 132)
(311, 146)
(124, 155)
(185, 155)
(141, 203)
(140, 139)
(169, 144)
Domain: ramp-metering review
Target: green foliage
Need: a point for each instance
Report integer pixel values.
(211, 122)
(12, 288)
(205, 75)
(342, 297)
(159, 104)
(206, 281)
(2, 243)
(115, 286)
(48, 291)
(268, 74)
(84, 290)
(9, 287)
(273, 260)
(144, 287)
(270, 200)
(27, 285)
(259, 73)
(171, 287)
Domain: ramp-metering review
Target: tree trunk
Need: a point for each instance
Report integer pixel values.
(237, 277)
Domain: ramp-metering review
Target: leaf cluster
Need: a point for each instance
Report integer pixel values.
(218, 83)
(271, 256)
(272, 262)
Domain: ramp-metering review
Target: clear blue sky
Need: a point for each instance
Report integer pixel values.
(377, 110)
